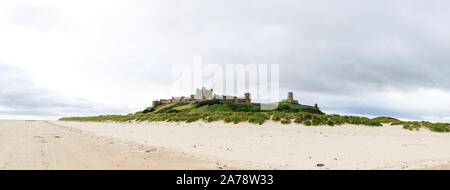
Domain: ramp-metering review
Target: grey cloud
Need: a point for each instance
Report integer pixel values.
(342, 46)
(322, 46)
(20, 96)
(346, 47)
(36, 17)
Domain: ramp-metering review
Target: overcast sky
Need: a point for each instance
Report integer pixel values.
(373, 58)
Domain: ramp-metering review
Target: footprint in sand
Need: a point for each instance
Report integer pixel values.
(39, 139)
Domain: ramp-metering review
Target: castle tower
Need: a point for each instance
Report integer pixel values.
(247, 98)
(290, 97)
(203, 93)
(156, 103)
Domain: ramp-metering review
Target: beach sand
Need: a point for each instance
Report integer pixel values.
(217, 145)
(40, 145)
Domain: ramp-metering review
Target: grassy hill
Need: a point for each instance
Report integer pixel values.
(213, 110)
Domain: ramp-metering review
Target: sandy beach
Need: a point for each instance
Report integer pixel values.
(218, 145)
(40, 145)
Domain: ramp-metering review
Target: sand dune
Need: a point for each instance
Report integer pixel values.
(198, 145)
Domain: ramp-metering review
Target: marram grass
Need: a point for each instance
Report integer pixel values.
(234, 113)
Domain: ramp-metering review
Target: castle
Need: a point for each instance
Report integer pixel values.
(208, 94)
(201, 95)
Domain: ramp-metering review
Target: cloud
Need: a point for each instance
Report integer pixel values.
(20, 96)
(350, 56)
(35, 17)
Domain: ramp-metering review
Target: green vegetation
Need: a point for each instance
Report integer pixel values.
(307, 123)
(330, 123)
(258, 118)
(286, 121)
(229, 107)
(285, 107)
(412, 126)
(148, 110)
(385, 119)
(276, 117)
(206, 102)
(213, 110)
(440, 127)
(398, 123)
(416, 125)
(169, 108)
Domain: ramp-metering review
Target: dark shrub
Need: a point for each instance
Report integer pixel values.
(385, 119)
(307, 123)
(330, 123)
(298, 120)
(206, 102)
(440, 127)
(276, 118)
(285, 121)
(148, 110)
(315, 122)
